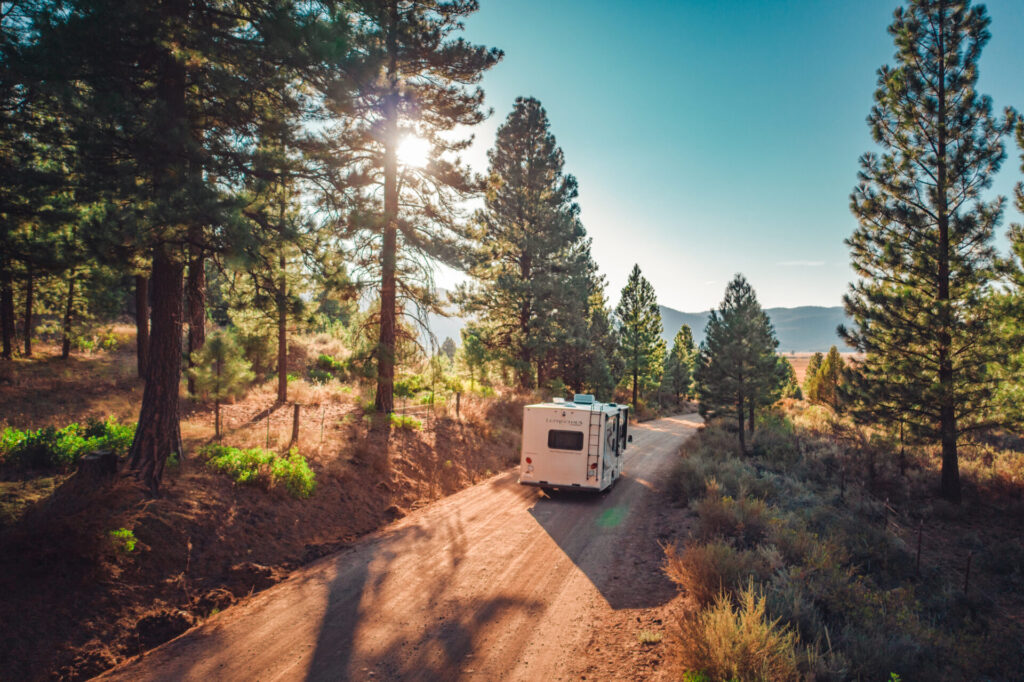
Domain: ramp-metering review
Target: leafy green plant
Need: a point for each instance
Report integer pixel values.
(109, 341)
(49, 448)
(405, 422)
(124, 540)
(319, 376)
(295, 473)
(330, 364)
(256, 466)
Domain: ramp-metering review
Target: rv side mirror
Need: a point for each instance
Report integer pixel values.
(629, 439)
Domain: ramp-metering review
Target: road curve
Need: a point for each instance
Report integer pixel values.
(498, 581)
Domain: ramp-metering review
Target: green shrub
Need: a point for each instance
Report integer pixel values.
(295, 473)
(50, 448)
(124, 540)
(744, 520)
(409, 387)
(326, 368)
(330, 364)
(402, 421)
(686, 482)
(109, 341)
(319, 376)
(256, 466)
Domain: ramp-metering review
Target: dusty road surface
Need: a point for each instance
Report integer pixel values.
(496, 582)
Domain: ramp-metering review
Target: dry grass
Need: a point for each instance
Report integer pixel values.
(800, 361)
(740, 642)
(822, 521)
(704, 571)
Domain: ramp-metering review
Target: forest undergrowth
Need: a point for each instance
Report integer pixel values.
(815, 557)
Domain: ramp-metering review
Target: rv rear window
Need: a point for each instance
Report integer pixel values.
(565, 440)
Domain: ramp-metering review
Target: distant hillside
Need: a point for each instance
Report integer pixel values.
(803, 329)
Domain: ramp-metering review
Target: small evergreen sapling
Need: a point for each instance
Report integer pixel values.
(220, 371)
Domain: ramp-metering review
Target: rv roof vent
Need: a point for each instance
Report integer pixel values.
(583, 399)
(558, 400)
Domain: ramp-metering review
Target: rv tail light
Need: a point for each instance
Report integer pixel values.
(594, 465)
(529, 461)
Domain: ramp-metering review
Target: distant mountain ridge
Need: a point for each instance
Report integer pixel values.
(805, 329)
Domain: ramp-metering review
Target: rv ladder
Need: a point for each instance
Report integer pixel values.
(594, 442)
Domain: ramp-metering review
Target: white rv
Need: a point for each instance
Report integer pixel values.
(576, 444)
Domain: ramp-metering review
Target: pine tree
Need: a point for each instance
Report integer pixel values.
(638, 323)
(738, 370)
(163, 120)
(448, 348)
(680, 365)
(791, 387)
(827, 379)
(474, 353)
(923, 249)
(220, 371)
(417, 85)
(602, 361)
(811, 376)
(531, 260)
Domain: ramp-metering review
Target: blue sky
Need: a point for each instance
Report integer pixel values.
(715, 137)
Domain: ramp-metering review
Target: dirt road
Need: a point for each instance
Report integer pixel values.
(496, 582)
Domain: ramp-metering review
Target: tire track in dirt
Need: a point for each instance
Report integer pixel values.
(498, 581)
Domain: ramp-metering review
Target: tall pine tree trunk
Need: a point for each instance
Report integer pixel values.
(947, 407)
(65, 345)
(29, 291)
(6, 310)
(158, 433)
(282, 333)
(195, 292)
(141, 323)
(751, 415)
(636, 378)
(385, 399)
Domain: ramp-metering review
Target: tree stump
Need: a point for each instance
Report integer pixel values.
(98, 465)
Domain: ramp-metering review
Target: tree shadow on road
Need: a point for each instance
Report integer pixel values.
(354, 640)
(613, 538)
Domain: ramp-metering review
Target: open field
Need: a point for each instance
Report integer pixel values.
(800, 361)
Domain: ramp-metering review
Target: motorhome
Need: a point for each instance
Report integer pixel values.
(576, 444)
